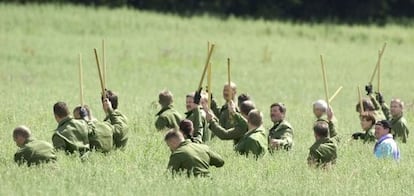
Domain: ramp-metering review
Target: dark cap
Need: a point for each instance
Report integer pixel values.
(384, 123)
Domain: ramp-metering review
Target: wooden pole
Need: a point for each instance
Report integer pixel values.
(228, 72)
(335, 94)
(99, 72)
(103, 62)
(325, 80)
(361, 105)
(378, 62)
(81, 80)
(206, 66)
(209, 86)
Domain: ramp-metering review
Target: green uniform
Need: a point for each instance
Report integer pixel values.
(378, 113)
(225, 120)
(235, 134)
(196, 117)
(322, 153)
(332, 127)
(71, 135)
(193, 158)
(370, 135)
(100, 136)
(168, 118)
(120, 128)
(283, 132)
(399, 128)
(35, 152)
(254, 142)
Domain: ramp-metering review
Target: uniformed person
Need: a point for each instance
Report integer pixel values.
(187, 129)
(254, 141)
(399, 127)
(71, 135)
(372, 105)
(118, 120)
(100, 133)
(323, 113)
(368, 128)
(190, 158)
(197, 116)
(322, 153)
(281, 134)
(32, 151)
(229, 94)
(167, 117)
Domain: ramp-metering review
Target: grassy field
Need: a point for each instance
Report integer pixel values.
(148, 52)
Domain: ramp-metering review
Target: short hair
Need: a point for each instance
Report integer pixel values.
(282, 107)
(22, 131)
(255, 117)
(368, 105)
(246, 107)
(186, 127)
(368, 117)
(320, 104)
(77, 110)
(398, 101)
(172, 133)
(233, 86)
(190, 95)
(242, 98)
(113, 98)
(321, 128)
(60, 109)
(165, 97)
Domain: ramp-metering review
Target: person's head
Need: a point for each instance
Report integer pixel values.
(186, 128)
(254, 118)
(368, 106)
(396, 108)
(277, 112)
(321, 130)
(229, 91)
(189, 102)
(246, 107)
(21, 134)
(319, 108)
(165, 98)
(367, 120)
(60, 110)
(242, 98)
(113, 98)
(382, 128)
(76, 112)
(173, 139)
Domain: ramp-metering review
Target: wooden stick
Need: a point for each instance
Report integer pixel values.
(209, 86)
(103, 62)
(325, 81)
(228, 72)
(99, 72)
(81, 80)
(361, 105)
(335, 94)
(206, 66)
(378, 62)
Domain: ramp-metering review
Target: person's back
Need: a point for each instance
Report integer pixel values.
(100, 136)
(120, 128)
(168, 118)
(71, 135)
(35, 152)
(322, 153)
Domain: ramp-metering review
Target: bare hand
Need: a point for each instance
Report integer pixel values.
(232, 107)
(274, 143)
(107, 105)
(330, 113)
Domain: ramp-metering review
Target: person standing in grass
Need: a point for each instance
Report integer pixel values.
(71, 135)
(100, 133)
(281, 134)
(325, 114)
(32, 151)
(254, 141)
(322, 154)
(368, 128)
(240, 127)
(190, 158)
(167, 117)
(116, 119)
(223, 114)
(371, 105)
(196, 116)
(385, 147)
(399, 126)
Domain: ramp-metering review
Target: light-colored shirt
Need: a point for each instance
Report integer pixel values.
(387, 148)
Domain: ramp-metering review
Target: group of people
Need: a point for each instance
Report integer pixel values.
(243, 123)
(78, 133)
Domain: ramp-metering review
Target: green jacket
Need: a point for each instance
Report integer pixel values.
(71, 135)
(120, 128)
(322, 153)
(332, 125)
(225, 120)
(35, 152)
(283, 132)
(168, 118)
(378, 113)
(196, 117)
(100, 136)
(370, 135)
(254, 142)
(399, 128)
(235, 133)
(194, 159)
